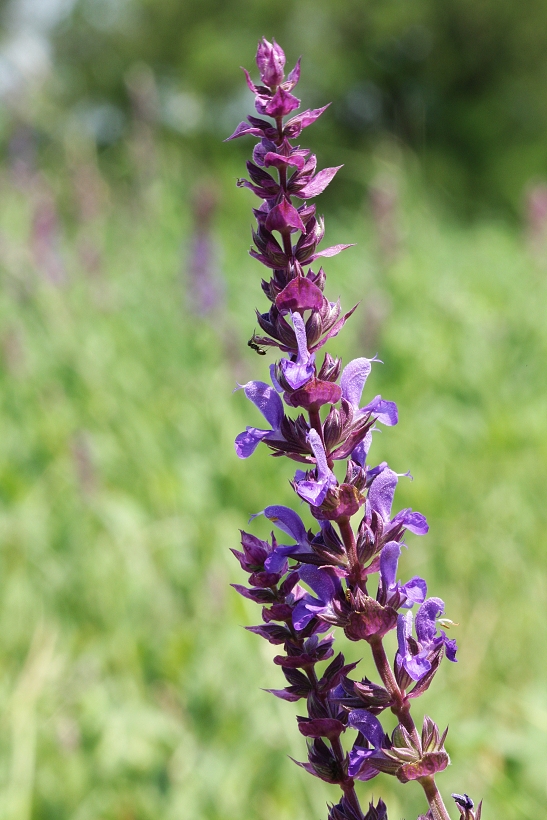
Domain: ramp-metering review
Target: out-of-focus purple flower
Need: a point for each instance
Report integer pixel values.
(380, 501)
(300, 371)
(205, 286)
(45, 241)
(415, 654)
(314, 490)
(536, 219)
(384, 202)
(270, 405)
(22, 154)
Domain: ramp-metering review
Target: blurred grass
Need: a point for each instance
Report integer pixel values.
(128, 690)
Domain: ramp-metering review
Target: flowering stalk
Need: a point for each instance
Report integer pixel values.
(327, 575)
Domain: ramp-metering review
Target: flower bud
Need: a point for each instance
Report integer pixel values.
(270, 59)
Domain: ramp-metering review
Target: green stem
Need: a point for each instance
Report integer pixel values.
(348, 537)
(436, 804)
(400, 706)
(348, 784)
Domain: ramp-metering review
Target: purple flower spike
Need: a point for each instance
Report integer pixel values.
(302, 370)
(324, 576)
(270, 59)
(270, 405)
(314, 491)
(354, 377)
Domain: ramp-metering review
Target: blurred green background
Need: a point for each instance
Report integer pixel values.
(128, 689)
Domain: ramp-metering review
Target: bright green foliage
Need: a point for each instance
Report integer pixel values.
(124, 676)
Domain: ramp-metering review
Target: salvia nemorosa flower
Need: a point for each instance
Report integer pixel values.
(343, 571)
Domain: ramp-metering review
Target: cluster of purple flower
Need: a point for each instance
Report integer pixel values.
(325, 578)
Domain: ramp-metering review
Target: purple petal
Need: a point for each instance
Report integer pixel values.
(323, 470)
(385, 411)
(381, 493)
(288, 521)
(359, 767)
(360, 452)
(404, 631)
(415, 591)
(426, 627)
(368, 725)
(313, 492)
(298, 373)
(354, 376)
(389, 560)
(301, 338)
(266, 400)
(451, 648)
(318, 184)
(302, 614)
(276, 562)
(322, 581)
(247, 442)
(274, 381)
(417, 666)
(413, 521)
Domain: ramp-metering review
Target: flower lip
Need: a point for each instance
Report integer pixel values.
(314, 490)
(267, 400)
(299, 372)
